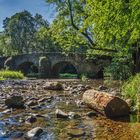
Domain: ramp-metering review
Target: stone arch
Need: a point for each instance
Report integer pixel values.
(63, 67)
(27, 67)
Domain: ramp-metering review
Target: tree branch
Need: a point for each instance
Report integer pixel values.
(91, 43)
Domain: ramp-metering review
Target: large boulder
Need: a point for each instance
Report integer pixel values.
(15, 102)
(53, 86)
(105, 103)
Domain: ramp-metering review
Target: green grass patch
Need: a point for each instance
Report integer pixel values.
(7, 74)
(68, 75)
(131, 90)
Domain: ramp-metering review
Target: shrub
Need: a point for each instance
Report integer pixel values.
(7, 74)
(119, 69)
(131, 89)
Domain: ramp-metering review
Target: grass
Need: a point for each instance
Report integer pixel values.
(8, 74)
(68, 75)
(131, 90)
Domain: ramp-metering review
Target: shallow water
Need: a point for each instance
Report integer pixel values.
(97, 128)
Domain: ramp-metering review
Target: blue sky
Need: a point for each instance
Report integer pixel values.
(10, 7)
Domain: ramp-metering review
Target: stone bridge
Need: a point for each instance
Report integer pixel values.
(50, 65)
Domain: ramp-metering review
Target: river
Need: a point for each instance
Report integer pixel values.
(14, 124)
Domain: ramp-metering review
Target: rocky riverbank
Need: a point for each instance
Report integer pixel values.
(49, 110)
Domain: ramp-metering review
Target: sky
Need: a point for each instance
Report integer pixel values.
(10, 7)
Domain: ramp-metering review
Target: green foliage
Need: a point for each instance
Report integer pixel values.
(84, 77)
(45, 42)
(116, 26)
(131, 89)
(7, 74)
(116, 23)
(68, 30)
(22, 29)
(68, 75)
(5, 48)
(119, 69)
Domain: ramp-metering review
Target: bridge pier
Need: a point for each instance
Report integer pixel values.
(44, 67)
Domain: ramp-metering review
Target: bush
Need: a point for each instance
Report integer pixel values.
(7, 74)
(119, 69)
(131, 89)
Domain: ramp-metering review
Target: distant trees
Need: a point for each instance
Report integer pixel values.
(23, 31)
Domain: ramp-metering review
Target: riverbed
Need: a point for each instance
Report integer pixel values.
(14, 123)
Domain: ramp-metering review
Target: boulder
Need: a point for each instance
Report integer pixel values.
(60, 114)
(31, 103)
(53, 86)
(76, 133)
(73, 115)
(35, 132)
(106, 104)
(31, 119)
(15, 102)
(102, 87)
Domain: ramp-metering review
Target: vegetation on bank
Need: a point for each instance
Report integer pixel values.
(7, 74)
(131, 90)
(68, 75)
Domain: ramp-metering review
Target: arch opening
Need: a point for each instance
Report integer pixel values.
(28, 68)
(64, 70)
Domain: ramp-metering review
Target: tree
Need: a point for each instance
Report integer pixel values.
(44, 41)
(21, 28)
(117, 25)
(72, 15)
(5, 48)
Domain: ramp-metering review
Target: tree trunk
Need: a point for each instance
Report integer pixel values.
(136, 59)
(105, 103)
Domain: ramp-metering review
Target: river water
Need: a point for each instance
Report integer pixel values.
(82, 128)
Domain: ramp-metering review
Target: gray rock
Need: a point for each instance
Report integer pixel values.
(35, 132)
(60, 114)
(31, 119)
(53, 86)
(92, 114)
(102, 88)
(73, 115)
(76, 132)
(15, 102)
(31, 103)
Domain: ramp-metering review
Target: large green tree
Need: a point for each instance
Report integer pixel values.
(70, 28)
(22, 29)
(117, 25)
